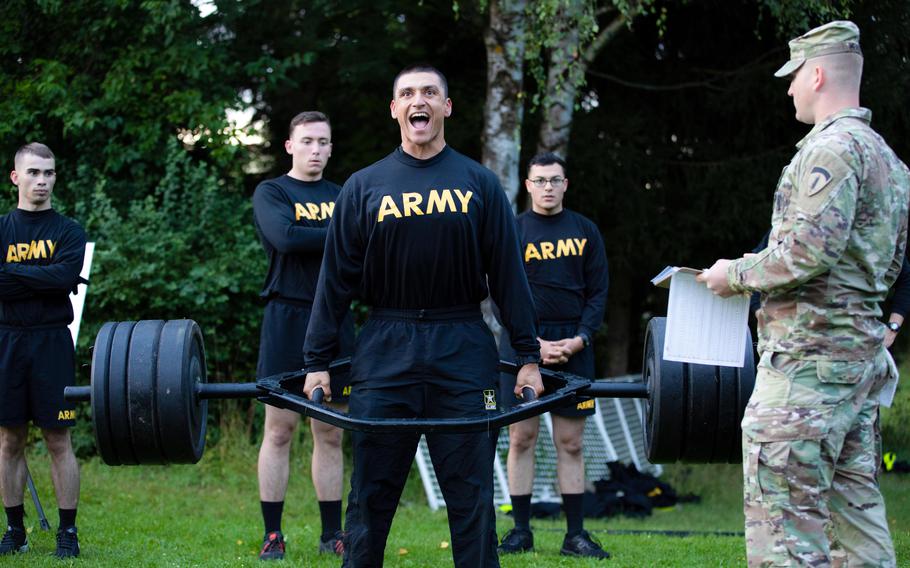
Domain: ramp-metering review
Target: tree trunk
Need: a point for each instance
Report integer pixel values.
(504, 107)
(566, 70)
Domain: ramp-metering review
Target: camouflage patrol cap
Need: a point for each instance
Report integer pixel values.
(841, 36)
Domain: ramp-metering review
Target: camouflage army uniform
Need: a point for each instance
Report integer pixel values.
(811, 442)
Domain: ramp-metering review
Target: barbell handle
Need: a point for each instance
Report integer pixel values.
(317, 395)
(77, 394)
(528, 394)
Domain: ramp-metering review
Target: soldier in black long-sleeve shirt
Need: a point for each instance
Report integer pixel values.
(418, 236)
(292, 213)
(566, 265)
(900, 303)
(43, 253)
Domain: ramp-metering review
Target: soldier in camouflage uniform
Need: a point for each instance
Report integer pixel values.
(811, 440)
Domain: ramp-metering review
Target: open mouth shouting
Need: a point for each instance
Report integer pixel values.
(419, 120)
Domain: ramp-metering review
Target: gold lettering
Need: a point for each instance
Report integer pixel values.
(51, 245)
(388, 207)
(442, 201)
(300, 211)
(531, 252)
(547, 250)
(410, 202)
(326, 209)
(23, 251)
(580, 243)
(464, 198)
(585, 405)
(11, 255)
(36, 250)
(314, 211)
(565, 247)
(346, 391)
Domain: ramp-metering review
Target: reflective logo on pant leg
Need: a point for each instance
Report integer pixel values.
(489, 399)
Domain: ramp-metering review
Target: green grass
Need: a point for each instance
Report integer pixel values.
(208, 515)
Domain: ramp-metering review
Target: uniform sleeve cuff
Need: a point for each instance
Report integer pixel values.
(734, 277)
(317, 367)
(522, 360)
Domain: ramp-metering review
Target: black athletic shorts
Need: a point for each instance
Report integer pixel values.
(281, 343)
(35, 366)
(581, 364)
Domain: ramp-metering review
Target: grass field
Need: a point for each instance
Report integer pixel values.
(208, 515)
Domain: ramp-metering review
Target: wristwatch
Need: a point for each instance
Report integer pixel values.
(894, 326)
(584, 339)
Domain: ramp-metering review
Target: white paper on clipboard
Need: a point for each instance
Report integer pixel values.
(702, 328)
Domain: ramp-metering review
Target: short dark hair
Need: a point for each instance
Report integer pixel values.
(422, 68)
(547, 159)
(35, 148)
(306, 117)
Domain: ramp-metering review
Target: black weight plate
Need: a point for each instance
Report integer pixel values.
(101, 358)
(141, 388)
(735, 399)
(118, 399)
(181, 417)
(699, 437)
(664, 417)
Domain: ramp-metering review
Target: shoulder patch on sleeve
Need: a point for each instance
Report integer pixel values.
(823, 172)
(818, 179)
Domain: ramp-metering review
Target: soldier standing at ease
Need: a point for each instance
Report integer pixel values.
(567, 269)
(292, 213)
(811, 440)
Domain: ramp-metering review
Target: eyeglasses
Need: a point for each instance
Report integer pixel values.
(541, 182)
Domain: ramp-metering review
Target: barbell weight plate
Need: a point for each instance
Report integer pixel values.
(693, 411)
(734, 396)
(101, 424)
(142, 377)
(181, 416)
(700, 436)
(664, 410)
(118, 397)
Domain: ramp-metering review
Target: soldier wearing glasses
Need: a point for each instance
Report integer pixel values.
(566, 265)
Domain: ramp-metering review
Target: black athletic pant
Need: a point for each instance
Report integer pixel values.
(441, 363)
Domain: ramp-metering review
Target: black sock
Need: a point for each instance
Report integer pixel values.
(330, 512)
(521, 511)
(67, 518)
(271, 514)
(14, 516)
(573, 506)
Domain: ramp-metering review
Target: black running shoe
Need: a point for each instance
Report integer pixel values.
(272, 546)
(67, 543)
(583, 545)
(332, 545)
(517, 540)
(14, 540)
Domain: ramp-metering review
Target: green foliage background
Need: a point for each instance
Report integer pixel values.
(677, 142)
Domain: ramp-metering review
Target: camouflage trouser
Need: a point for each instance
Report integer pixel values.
(811, 454)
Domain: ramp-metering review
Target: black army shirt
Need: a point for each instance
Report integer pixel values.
(42, 258)
(421, 234)
(566, 266)
(291, 218)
